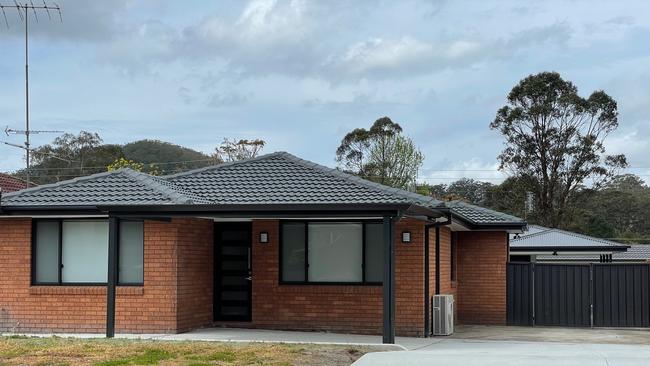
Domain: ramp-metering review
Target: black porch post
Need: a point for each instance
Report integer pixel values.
(388, 290)
(113, 227)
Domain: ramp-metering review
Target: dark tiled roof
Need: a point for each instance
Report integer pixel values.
(11, 184)
(124, 186)
(639, 252)
(542, 237)
(278, 178)
(281, 178)
(480, 215)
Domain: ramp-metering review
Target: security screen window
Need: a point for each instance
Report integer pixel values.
(76, 252)
(332, 252)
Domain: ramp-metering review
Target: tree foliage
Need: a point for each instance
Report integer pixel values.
(381, 154)
(554, 139)
(70, 156)
(234, 150)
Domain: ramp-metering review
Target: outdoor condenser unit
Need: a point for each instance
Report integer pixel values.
(443, 315)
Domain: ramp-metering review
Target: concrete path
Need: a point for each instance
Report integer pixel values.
(450, 352)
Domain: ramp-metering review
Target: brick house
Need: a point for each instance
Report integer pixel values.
(12, 184)
(274, 242)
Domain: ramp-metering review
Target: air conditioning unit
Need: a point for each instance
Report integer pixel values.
(443, 315)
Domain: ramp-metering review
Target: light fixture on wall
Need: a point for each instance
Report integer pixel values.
(406, 236)
(264, 237)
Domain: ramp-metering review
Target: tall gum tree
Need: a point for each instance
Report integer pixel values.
(554, 140)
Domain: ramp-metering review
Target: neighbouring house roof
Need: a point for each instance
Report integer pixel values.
(12, 184)
(540, 238)
(635, 253)
(273, 179)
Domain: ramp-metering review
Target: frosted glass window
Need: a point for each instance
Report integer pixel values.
(335, 252)
(374, 252)
(47, 252)
(293, 252)
(131, 252)
(85, 251)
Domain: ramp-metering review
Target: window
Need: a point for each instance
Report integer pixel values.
(76, 252)
(452, 256)
(331, 252)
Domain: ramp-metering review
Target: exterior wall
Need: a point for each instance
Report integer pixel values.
(151, 308)
(482, 257)
(350, 308)
(178, 290)
(195, 248)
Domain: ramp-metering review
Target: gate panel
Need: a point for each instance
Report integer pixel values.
(562, 295)
(519, 294)
(622, 295)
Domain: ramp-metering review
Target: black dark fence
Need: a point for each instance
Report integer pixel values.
(578, 295)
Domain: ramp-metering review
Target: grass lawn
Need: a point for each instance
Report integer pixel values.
(117, 352)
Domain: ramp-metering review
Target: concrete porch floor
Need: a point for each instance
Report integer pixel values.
(467, 333)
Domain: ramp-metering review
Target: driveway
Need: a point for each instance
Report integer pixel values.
(450, 352)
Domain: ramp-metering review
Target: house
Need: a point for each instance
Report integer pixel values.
(542, 244)
(11, 184)
(273, 242)
(635, 254)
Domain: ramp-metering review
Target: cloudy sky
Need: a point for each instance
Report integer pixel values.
(300, 74)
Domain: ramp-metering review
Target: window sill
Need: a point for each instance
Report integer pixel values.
(85, 290)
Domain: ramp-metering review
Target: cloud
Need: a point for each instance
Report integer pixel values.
(219, 100)
(88, 21)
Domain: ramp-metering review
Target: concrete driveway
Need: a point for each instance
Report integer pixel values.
(450, 352)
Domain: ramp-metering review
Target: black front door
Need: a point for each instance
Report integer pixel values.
(232, 269)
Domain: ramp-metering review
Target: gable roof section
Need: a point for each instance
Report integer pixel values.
(273, 179)
(558, 240)
(123, 186)
(281, 178)
(11, 184)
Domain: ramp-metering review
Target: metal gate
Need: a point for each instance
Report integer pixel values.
(578, 295)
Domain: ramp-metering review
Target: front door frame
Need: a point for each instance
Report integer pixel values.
(218, 271)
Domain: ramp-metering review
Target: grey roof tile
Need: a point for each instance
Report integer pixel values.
(556, 238)
(638, 252)
(123, 186)
(277, 178)
(281, 178)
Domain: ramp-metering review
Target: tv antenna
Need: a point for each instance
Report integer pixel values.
(23, 9)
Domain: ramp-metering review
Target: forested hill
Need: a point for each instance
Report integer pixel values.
(74, 156)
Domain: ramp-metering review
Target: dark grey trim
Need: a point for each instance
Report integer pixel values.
(437, 259)
(388, 293)
(59, 281)
(113, 238)
(306, 282)
(427, 328)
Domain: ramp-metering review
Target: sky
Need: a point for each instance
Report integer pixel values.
(301, 74)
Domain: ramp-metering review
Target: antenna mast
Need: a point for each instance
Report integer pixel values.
(23, 13)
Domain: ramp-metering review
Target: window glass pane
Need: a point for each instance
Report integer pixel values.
(85, 251)
(335, 252)
(131, 252)
(374, 252)
(293, 252)
(47, 252)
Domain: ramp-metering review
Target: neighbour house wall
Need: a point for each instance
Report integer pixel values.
(169, 251)
(482, 257)
(349, 308)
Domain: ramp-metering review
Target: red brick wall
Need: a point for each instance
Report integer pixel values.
(482, 258)
(151, 308)
(356, 309)
(195, 249)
